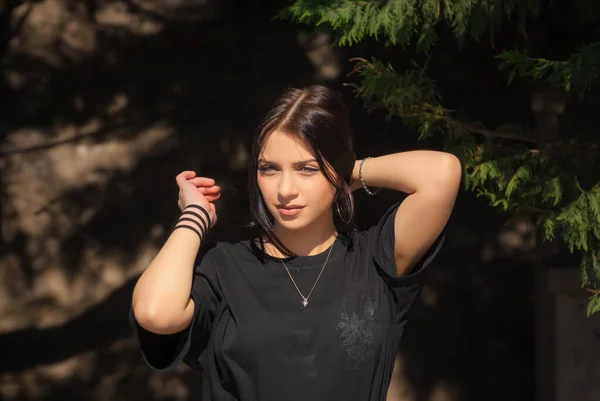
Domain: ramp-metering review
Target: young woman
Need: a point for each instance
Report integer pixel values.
(311, 309)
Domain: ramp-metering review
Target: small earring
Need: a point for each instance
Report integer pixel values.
(337, 205)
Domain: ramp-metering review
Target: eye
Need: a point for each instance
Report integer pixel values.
(266, 168)
(309, 169)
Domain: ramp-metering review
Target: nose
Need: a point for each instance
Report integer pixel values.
(288, 189)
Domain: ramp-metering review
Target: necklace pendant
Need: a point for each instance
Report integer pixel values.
(305, 302)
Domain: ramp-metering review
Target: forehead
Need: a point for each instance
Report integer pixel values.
(281, 146)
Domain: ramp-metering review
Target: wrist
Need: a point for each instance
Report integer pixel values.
(355, 181)
(192, 236)
(365, 179)
(194, 218)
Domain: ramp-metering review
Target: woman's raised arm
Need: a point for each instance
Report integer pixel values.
(161, 298)
(431, 179)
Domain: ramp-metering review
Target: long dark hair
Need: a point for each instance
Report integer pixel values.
(318, 116)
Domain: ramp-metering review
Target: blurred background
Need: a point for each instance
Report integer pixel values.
(103, 102)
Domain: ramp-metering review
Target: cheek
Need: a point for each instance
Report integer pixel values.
(321, 193)
(266, 188)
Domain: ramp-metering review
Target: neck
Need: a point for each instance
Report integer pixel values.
(311, 240)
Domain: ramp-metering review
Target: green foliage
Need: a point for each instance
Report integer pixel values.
(578, 73)
(400, 22)
(382, 87)
(591, 268)
(512, 177)
(510, 166)
(593, 305)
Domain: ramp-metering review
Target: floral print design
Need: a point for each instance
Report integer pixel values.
(360, 331)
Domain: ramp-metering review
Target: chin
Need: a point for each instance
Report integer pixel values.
(299, 222)
(292, 224)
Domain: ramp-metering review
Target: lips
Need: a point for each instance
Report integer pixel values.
(290, 210)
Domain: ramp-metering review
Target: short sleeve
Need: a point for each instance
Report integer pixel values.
(381, 243)
(162, 352)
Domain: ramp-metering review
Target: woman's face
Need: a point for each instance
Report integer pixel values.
(294, 188)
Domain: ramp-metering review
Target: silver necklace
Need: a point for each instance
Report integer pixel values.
(305, 298)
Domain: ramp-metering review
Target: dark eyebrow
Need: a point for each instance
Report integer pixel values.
(298, 163)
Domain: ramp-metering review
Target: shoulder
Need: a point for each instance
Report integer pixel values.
(378, 228)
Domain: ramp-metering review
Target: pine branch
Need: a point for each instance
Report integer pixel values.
(413, 96)
(402, 22)
(579, 73)
(593, 305)
(379, 87)
(474, 129)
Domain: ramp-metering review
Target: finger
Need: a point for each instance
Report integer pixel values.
(212, 194)
(212, 198)
(202, 181)
(184, 176)
(209, 190)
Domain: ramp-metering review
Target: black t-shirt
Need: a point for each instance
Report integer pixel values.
(255, 341)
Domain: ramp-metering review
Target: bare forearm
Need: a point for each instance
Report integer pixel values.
(161, 298)
(410, 171)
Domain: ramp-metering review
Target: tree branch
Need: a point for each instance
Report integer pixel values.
(535, 209)
(479, 130)
(550, 147)
(493, 134)
(579, 186)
